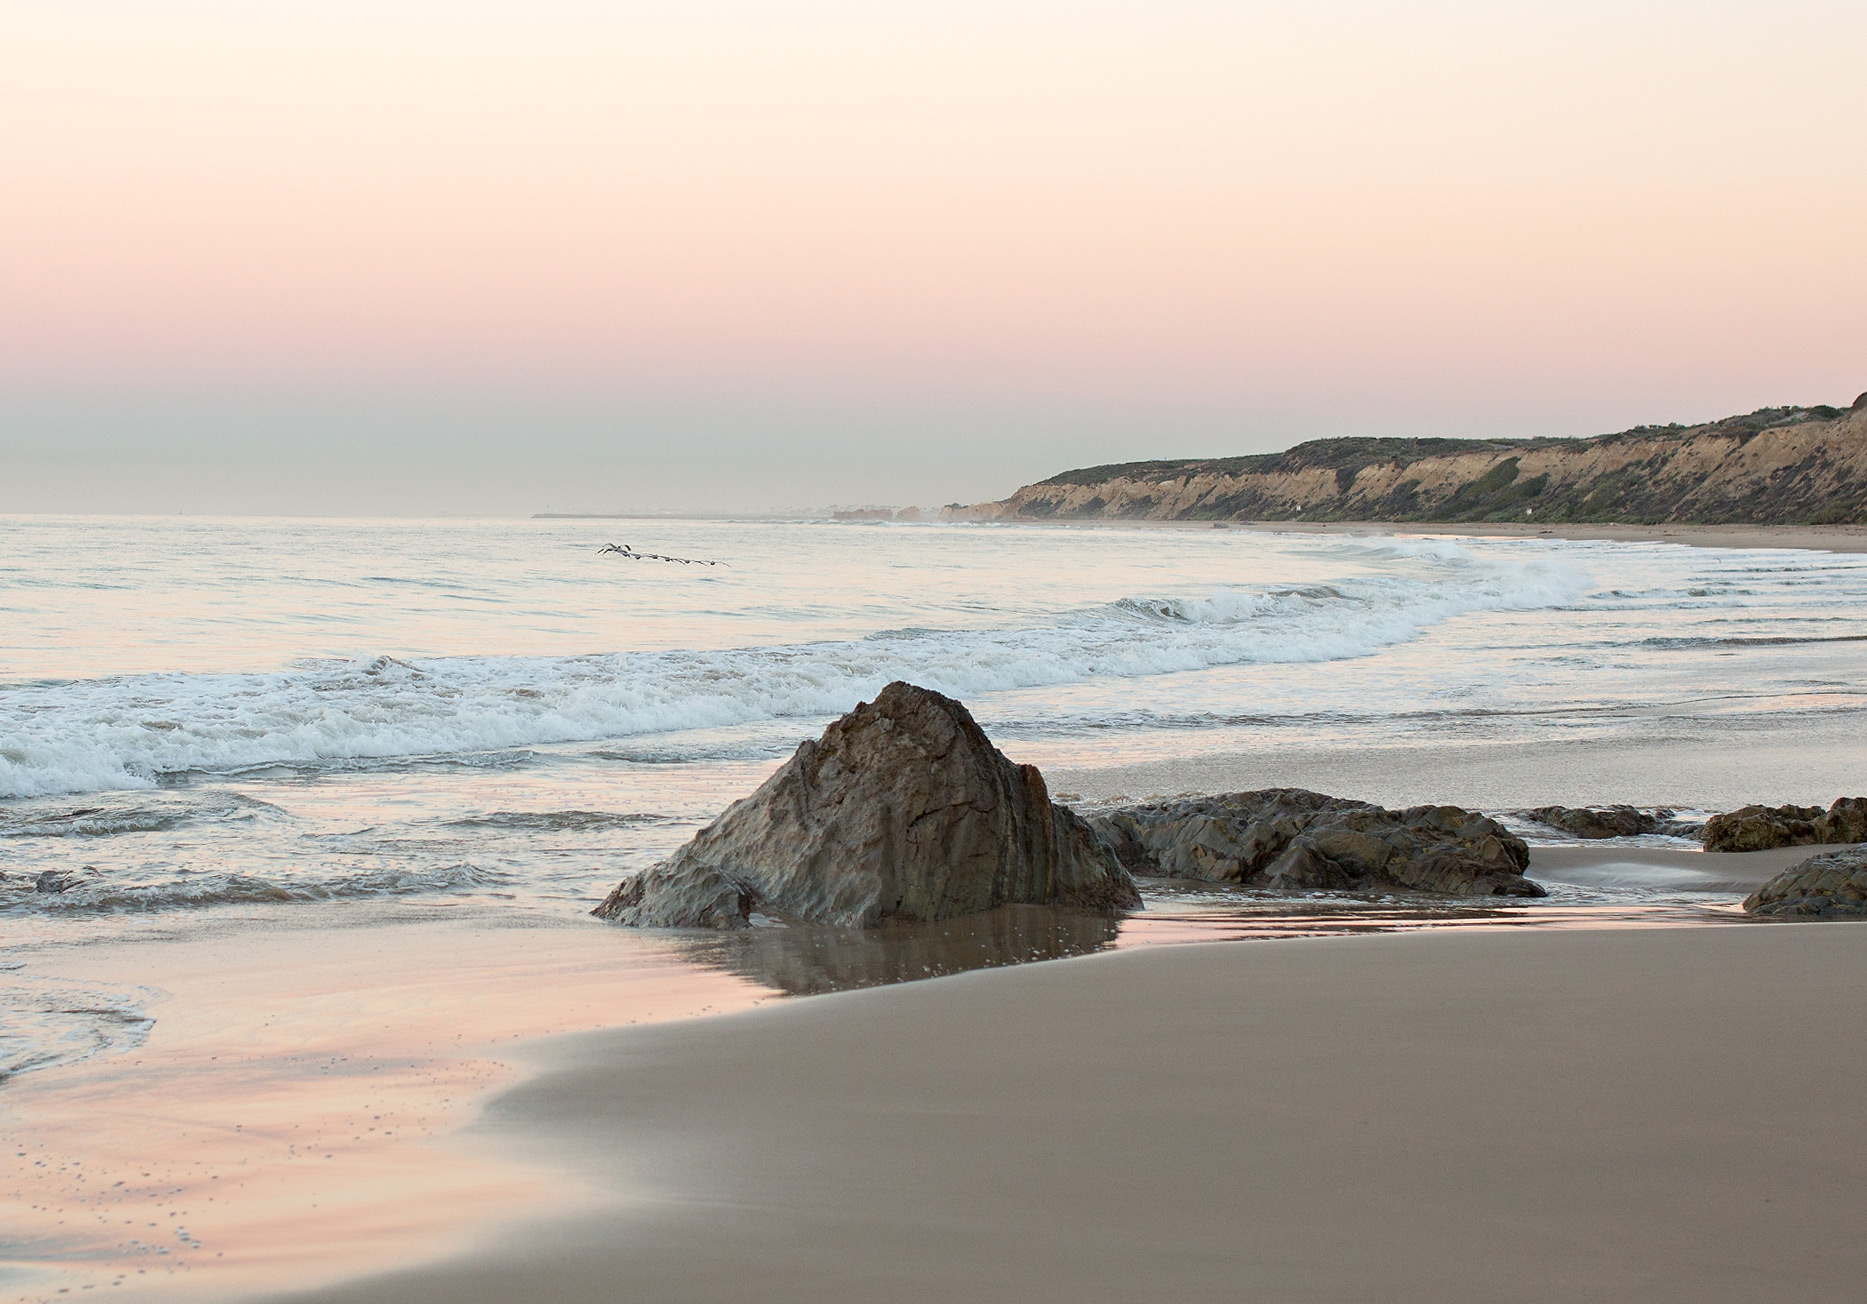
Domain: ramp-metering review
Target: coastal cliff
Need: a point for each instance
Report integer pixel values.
(1775, 466)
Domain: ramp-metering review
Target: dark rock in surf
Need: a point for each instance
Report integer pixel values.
(1846, 821)
(902, 810)
(1296, 840)
(1830, 886)
(1592, 822)
(1595, 822)
(1759, 828)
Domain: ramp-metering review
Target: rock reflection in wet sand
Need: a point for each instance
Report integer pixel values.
(805, 959)
(809, 959)
(1179, 911)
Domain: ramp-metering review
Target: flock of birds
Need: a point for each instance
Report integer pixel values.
(624, 550)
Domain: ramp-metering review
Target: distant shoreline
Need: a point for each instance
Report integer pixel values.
(664, 516)
(1775, 466)
(1819, 538)
(1829, 538)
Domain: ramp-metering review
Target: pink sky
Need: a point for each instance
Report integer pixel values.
(1289, 220)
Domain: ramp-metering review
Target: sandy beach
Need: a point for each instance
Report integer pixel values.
(1639, 1115)
(1792, 759)
(324, 1010)
(312, 1105)
(503, 800)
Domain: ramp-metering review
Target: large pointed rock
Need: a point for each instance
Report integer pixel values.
(902, 810)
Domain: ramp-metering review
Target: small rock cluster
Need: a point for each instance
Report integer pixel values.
(904, 810)
(1290, 838)
(1592, 822)
(1759, 828)
(1828, 886)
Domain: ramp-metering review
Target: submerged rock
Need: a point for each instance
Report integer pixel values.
(902, 810)
(1830, 886)
(1759, 828)
(1293, 839)
(1592, 822)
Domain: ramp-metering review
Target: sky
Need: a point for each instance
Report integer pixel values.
(406, 257)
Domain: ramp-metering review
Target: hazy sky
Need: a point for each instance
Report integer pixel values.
(409, 257)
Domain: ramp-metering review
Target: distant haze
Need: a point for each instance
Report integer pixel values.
(477, 257)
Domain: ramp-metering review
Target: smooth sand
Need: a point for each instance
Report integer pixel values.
(1645, 1115)
(1774, 758)
(284, 1108)
(1663, 867)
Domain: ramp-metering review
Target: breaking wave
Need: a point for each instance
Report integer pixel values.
(127, 733)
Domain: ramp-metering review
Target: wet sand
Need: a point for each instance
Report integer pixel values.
(296, 1109)
(1741, 872)
(1651, 1115)
(1781, 758)
(302, 1110)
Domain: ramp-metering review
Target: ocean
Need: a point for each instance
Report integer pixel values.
(301, 819)
(201, 714)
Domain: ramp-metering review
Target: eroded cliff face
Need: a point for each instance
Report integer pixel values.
(1774, 466)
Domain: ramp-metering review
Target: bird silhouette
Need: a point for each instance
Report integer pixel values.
(624, 550)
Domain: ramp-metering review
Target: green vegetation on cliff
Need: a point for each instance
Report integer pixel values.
(1802, 465)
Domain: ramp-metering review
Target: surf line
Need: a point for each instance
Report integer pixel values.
(623, 550)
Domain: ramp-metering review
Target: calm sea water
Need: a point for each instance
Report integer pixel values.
(204, 715)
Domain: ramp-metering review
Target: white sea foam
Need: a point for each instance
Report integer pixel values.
(135, 813)
(94, 891)
(123, 733)
(47, 1022)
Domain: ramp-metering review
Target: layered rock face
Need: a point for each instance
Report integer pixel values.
(902, 810)
(1772, 466)
(1292, 839)
(1832, 886)
(1758, 828)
